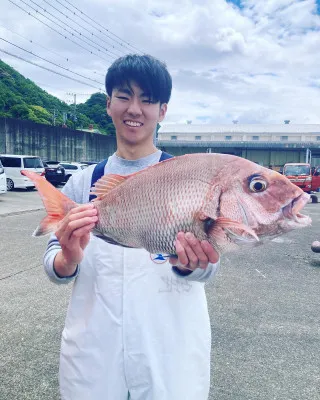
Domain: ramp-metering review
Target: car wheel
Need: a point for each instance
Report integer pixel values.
(314, 198)
(10, 184)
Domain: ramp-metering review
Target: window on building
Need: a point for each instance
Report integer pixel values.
(228, 137)
(318, 137)
(255, 137)
(173, 137)
(284, 137)
(198, 138)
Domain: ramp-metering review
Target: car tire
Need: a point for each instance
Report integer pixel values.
(314, 198)
(10, 184)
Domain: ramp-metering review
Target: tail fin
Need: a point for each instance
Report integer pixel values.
(56, 203)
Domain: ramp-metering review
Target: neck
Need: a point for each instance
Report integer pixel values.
(134, 153)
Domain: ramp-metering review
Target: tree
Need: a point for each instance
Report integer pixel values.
(22, 98)
(20, 111)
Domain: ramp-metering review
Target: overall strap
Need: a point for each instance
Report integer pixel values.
(165, 156)
(98, 171)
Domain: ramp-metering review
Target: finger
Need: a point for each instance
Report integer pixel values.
(183, 259)
(201, 259)
(85, 230)
(211, 253)
(78, 240)
(193, 250)
(180, 258)
(78, 212)
(173, 260)
(65, 232)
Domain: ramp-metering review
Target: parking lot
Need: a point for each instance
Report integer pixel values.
(264, 306)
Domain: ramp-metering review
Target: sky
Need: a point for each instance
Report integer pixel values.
(251, 61)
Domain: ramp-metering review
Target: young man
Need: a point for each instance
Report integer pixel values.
(136, 327)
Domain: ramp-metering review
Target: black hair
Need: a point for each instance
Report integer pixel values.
(146, 71)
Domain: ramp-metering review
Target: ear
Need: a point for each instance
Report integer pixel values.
(108, 105)
(163, 111)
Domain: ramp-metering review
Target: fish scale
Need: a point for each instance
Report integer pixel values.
(167, 200)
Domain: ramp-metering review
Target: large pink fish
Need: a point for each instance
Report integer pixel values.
(224, 199)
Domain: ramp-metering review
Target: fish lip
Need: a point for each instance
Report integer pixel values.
(291, 210)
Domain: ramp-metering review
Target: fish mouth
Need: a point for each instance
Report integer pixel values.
(292, 210)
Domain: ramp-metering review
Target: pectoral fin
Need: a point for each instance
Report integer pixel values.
(211, 225)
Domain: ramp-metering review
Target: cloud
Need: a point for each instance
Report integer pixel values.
(257, 63)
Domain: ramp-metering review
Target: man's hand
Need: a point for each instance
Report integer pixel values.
(193, 253)
(73, 234)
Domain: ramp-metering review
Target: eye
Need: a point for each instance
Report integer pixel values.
(258, 185)
(122, 98)
(147, 100)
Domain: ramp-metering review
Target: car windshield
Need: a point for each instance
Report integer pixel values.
(296, 170)
(32, 162)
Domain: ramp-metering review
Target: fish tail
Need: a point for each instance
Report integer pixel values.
(56, 203)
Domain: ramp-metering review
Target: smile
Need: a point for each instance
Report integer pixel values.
(133, 123)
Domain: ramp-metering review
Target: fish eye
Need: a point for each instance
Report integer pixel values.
(258, 185)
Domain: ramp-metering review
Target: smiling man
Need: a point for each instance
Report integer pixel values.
(136, 327)
(133, 112)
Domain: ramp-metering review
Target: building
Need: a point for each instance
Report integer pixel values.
(265, 144)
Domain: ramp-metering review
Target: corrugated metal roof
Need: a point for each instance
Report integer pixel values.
(240, 128)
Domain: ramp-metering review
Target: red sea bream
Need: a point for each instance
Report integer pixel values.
(224, 199)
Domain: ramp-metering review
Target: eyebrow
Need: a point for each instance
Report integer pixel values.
(130, 92)
(124, 90)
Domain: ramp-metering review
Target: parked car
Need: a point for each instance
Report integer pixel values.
(303, 176)
(90, 162)
(3, 180)
(54, 173)
(72, 168)
(14, 163)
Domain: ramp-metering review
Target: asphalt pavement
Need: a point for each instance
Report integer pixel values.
(263, 304)
(20, 201)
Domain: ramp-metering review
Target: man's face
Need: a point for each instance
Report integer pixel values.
(135, 117)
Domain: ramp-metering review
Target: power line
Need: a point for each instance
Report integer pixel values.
(87, 16)
(61, 26)
(32, 42)
(44, 59)
(48, 69)
(83, 27)
(45, 48)
(91, 52)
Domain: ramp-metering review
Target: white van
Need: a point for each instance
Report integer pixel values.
(71, 168)
(3, 182)
(13, 164)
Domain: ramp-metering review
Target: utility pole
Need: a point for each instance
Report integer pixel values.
(54, 115)
(74, 115)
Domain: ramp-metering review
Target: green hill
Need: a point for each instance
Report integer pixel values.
(23, 99)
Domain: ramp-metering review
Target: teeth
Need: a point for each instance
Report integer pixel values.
(132, 123)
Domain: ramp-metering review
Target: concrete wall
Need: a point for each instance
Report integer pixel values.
(53, 143)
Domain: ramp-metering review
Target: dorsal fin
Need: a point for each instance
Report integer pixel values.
(105, 184)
